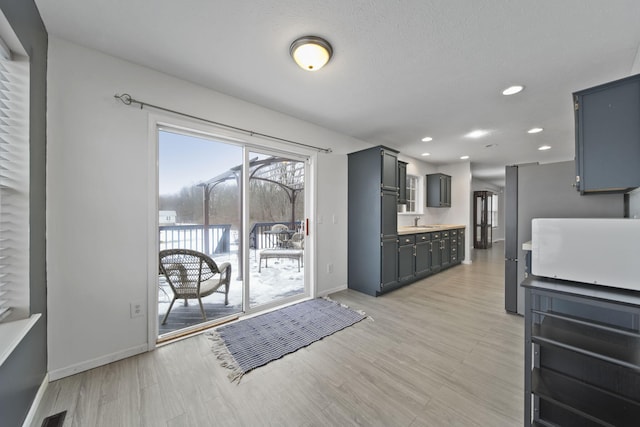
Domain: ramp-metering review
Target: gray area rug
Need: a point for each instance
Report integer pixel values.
(250, 343)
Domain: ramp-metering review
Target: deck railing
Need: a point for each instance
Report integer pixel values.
(258, 239)
(192, 237)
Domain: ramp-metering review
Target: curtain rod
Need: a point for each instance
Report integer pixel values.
(128, 100)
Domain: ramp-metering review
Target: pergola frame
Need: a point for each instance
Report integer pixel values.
(262, 170)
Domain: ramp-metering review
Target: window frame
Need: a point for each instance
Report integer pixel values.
(416, 200)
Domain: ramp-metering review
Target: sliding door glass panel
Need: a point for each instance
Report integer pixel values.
(199, 205)
(276, 237)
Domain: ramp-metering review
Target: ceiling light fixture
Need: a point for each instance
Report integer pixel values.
(426, 154)
(479, 133)
(464, 157)
(535, 130)
(544, 147)
(512, 90)
(427, 139)
(310, 52)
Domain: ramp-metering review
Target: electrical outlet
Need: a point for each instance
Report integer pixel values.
(329, 268)
(136, 309)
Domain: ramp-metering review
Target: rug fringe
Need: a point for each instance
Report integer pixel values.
(226, 359)
(360, 312)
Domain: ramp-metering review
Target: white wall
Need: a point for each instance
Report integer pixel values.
(460, 208)
(99, 209)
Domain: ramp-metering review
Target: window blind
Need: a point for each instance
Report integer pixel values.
(14, 188)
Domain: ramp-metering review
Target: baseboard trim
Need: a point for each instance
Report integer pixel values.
(56, 374)
(36, 402)
(326, 292)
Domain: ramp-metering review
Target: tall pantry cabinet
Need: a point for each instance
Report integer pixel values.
(373, 224)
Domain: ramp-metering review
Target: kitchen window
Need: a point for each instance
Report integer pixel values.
(413, 205)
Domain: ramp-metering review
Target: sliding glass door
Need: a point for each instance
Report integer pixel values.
(237, 206)
(276, 201)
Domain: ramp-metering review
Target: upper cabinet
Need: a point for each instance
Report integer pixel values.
(607, 120)
(389, 169)
(438, 190)
(402, 182)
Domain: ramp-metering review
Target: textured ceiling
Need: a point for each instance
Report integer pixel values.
(401, 69)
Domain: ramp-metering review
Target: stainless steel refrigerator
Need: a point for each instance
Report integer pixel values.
(543, 191)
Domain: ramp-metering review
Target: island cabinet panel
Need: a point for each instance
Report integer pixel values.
(607, 123)
(372, 220)
(582, 354)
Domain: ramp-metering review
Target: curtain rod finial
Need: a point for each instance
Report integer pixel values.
(125, 98)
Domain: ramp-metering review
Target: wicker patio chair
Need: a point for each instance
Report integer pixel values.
(282, 234)
(193, 275)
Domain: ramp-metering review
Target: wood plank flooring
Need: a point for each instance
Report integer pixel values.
(440, 352)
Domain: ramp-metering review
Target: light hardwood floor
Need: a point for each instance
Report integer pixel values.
(440, 352)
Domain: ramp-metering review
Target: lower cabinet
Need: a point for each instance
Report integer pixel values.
(424, 250)
(406, 258)
(422, 254)
(389, 264)
(582, 348)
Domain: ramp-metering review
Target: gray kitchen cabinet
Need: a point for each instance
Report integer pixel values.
(581, 354)
(461, 247)
(372, 220)
(453, 237)
(445, 249)
(406, 257)
(402, 183)
(388, 266)
(423, 253)
(438, 190)
(607, 133)
(436, 251)
(389, 180)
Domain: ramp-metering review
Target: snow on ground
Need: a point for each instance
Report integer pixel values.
(280, 279)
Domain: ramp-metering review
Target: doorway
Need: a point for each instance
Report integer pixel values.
(227, 200)
(482, 219)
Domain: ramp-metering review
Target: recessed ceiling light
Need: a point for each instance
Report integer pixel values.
(427, 139)
(512, 90)
(426, 154)
(464, 157)
(478, 133)
(535, 130)
(544, 147)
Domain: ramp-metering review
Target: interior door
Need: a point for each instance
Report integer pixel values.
(482, 221)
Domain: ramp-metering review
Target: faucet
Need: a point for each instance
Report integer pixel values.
(415, 221)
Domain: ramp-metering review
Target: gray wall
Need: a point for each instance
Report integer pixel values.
(545, 191)
(24, 371)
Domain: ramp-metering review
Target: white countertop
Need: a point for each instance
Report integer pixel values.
(429, 228)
